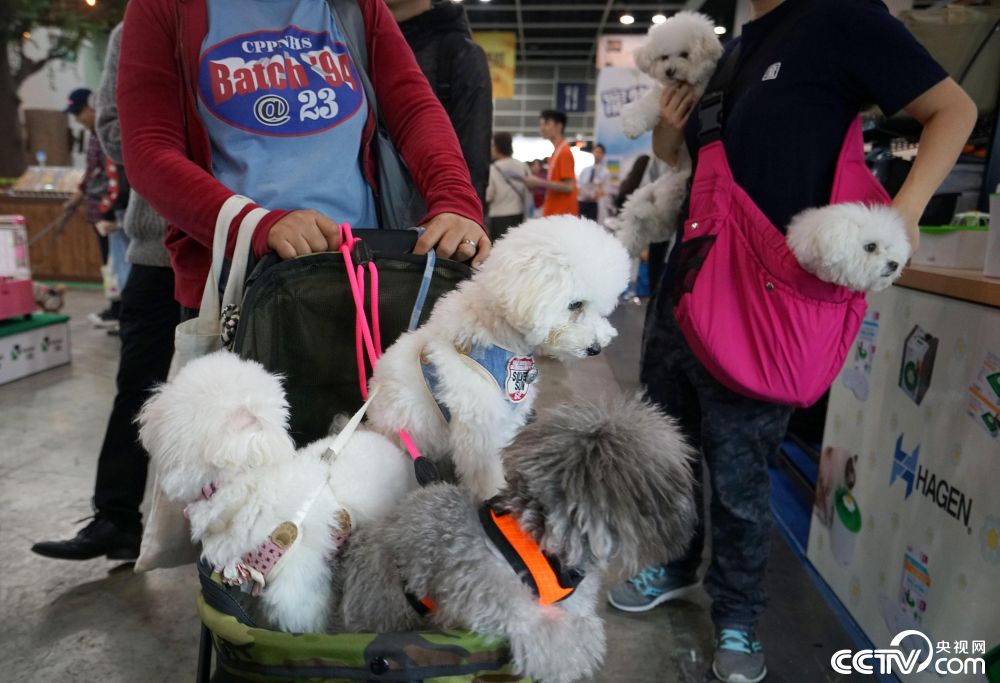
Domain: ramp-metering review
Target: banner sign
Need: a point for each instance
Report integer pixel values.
(501, 53)
(906, 522)
(571, 98)
(616, 49)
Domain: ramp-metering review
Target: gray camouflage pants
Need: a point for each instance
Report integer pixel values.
(735, 435)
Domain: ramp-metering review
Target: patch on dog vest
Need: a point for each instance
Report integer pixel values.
(772, 72)
(521, 373)
(513, 374)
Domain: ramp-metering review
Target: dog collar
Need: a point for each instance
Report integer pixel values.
(512, 373)
(538, 570)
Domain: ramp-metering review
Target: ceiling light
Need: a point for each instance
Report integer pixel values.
(720, 30)
(659, 18)
(626, 19)
(484, 0)
(91, 3)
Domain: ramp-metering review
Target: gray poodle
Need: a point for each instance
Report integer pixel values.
(591, 489)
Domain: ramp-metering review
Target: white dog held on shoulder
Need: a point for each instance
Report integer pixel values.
(462, 384)
(269, 518)
(853, 245)
(683, 49)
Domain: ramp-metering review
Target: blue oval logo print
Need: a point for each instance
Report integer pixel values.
(281, 83)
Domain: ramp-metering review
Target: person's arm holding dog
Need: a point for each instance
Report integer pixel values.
(676, 104)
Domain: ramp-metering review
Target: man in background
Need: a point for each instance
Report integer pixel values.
(593, 184)
(93, 189)
(560, 186)
(456, 67)
(149, 315)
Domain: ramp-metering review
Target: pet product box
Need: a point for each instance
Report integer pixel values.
(33, 345)
(915, 372)
(14, 248)
(954, 246)
(16, 293)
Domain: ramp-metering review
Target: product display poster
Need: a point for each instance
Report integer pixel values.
(906, 521)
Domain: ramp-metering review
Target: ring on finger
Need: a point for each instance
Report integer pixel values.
(472, 243)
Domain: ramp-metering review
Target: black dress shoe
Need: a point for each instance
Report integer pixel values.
(100, 537)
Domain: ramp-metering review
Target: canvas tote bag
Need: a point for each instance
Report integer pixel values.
(166, 540)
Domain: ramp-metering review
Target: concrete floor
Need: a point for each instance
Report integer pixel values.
(97, 621)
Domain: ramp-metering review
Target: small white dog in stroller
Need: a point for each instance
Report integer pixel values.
(461, 385)
(269, 518)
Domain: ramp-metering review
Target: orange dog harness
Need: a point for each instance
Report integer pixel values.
(541, 572)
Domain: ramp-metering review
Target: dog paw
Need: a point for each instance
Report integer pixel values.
(632, 125)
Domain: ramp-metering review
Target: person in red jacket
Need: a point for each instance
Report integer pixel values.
(223, 98)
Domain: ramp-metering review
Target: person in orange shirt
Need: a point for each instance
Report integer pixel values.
(560, 187)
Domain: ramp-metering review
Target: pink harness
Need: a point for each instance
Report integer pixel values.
(760, 323)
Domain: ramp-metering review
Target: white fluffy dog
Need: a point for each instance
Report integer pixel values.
(268, 517)
(683, 49)
(462, 384)
(653, 212)
(859, 247)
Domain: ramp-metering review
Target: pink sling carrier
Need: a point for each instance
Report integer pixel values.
(761, 324)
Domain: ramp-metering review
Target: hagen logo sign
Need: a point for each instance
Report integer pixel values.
(918, 657)
(907, 468)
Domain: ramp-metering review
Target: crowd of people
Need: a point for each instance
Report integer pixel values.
(187, 133)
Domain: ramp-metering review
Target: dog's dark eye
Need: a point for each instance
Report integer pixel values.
(576, 306)
(683, 55)
(871, 247)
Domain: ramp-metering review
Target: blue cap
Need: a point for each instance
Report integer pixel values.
(77, 100)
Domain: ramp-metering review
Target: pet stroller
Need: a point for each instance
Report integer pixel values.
(299, 318)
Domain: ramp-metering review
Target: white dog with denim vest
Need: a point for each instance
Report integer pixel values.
(462, 385)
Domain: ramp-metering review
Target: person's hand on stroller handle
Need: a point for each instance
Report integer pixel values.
(454, 237)
(303, 232)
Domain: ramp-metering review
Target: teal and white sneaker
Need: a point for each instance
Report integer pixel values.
(651, 587)
(739, 657)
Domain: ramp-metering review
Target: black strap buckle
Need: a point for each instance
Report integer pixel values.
(362, 254)
(710, 116)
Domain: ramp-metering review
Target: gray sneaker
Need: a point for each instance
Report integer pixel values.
(739, 657)
(651, 587)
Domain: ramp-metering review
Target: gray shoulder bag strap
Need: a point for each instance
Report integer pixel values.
(400, 205)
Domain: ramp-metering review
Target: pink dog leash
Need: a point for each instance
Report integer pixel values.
(368, 341)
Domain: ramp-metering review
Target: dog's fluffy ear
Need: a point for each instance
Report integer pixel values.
(606, 484)
(705, 53)
(521, 287)
(823, 240)
(644, 56)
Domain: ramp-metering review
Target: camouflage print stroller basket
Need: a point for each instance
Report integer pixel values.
(245, 652)
(297, 318)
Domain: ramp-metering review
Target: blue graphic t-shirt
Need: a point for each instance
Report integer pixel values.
(284, 108)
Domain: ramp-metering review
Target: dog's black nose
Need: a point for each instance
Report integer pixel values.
(892, 266)
(593, 349)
